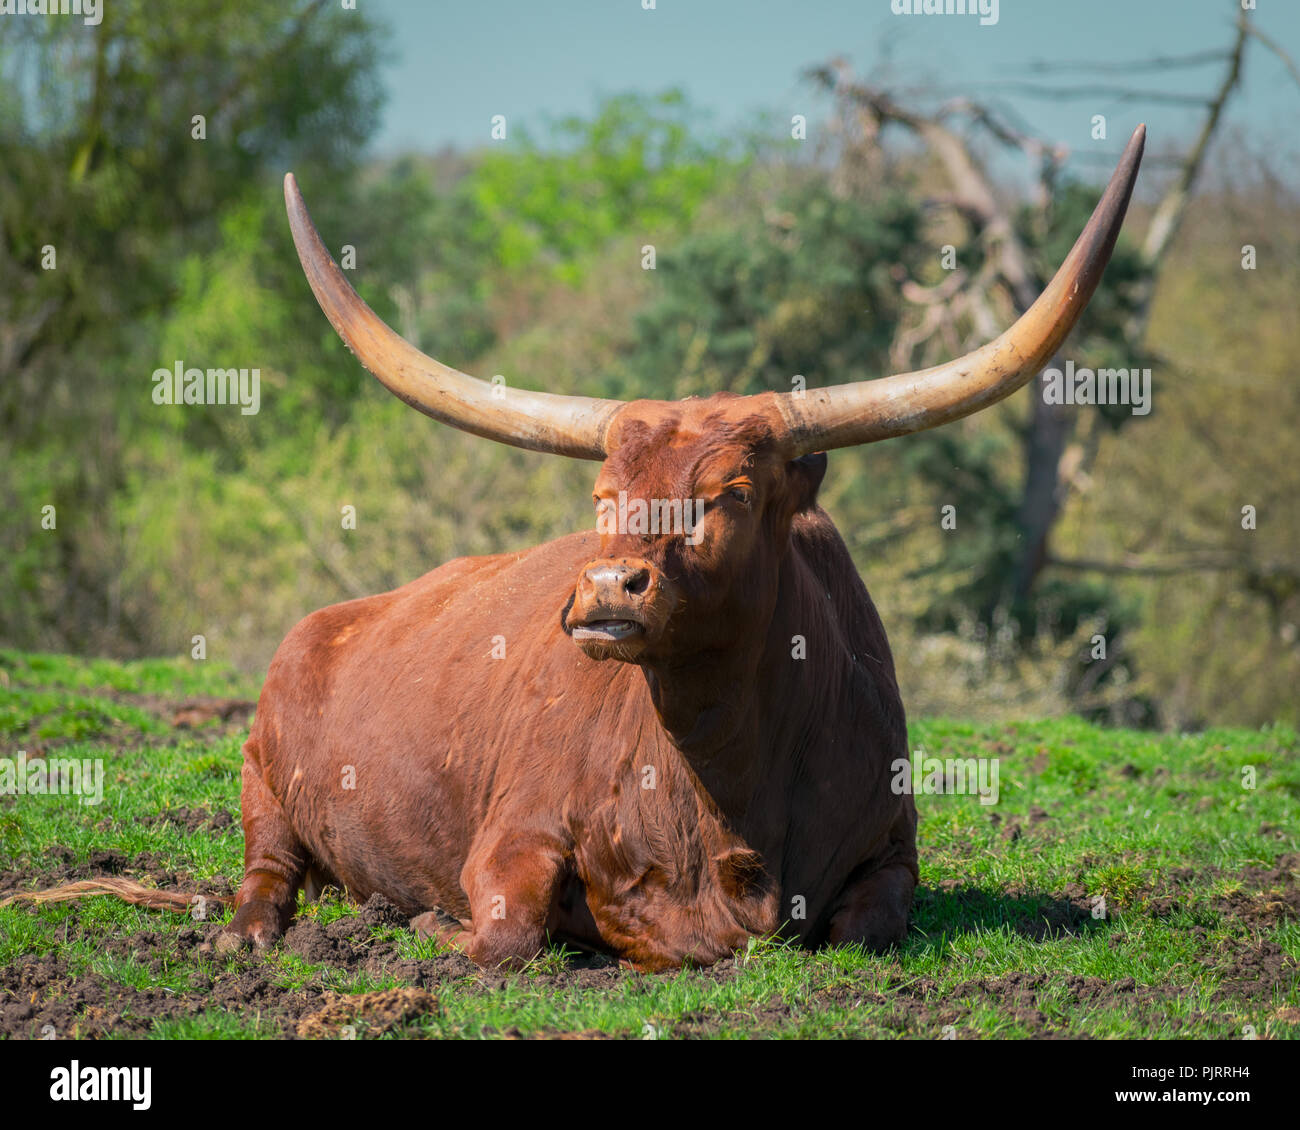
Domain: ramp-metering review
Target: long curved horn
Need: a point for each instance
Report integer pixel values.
(539, 421)
(866, 411)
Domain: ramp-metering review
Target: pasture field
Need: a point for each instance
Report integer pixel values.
(1199, 938)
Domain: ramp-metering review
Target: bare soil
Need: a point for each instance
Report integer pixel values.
(40, 990)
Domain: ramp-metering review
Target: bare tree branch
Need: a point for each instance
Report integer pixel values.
(1111, 93)
(1154, 63)
(1276, 48)
(1172, 208)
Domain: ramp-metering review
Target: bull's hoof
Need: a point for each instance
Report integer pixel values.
(227, 943)
(256, 924)
(436, 923)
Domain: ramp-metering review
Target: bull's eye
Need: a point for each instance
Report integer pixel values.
(605, 515)
(743, 495)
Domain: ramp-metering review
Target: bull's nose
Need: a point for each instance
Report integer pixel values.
(618, 579)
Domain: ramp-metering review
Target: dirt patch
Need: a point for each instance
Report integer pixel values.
(1283, 873)
(192, 819)
(200, 711)
(376, 1013)
(1259, 908)
(1253, 972)
(339, 943)
(1267, 897)
(922, 1007)
(42, 991)
(378, 911)
(1015, 827)
(1027, 999)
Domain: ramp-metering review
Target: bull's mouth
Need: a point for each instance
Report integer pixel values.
(607, 631)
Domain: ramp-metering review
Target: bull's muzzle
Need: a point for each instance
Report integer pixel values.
(616, 607)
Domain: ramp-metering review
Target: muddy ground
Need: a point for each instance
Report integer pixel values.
(36, 991)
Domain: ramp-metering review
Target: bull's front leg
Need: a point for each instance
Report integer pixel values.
(275, 862)
(873, 908)
(511, 883)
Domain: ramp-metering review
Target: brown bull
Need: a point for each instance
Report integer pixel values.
(459, 747)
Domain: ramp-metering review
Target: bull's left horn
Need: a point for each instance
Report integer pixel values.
(539, 421)
(866, 411)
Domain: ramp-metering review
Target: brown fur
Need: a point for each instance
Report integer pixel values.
(502, 801)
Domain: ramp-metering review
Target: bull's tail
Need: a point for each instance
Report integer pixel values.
(135, 893)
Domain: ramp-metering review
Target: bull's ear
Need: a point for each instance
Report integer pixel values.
(806, 474)
(741, 873)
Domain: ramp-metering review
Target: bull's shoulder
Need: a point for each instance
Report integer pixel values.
(827, 561)
(462, 590)
(817, 542)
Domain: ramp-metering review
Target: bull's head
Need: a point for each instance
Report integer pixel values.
(726, 474)
(694, 506)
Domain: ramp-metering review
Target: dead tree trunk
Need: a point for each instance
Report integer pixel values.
(1051, 467)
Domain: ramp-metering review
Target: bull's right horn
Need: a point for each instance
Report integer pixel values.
(866, 411)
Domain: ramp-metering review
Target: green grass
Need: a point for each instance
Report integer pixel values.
(175, 677)
(1002, 942)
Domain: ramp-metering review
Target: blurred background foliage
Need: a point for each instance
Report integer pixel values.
(772, 259)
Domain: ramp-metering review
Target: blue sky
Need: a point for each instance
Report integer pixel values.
(455, 63)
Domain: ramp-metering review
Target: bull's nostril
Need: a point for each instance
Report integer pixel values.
(637, 582)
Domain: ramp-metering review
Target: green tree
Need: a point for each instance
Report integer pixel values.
(121, 148)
